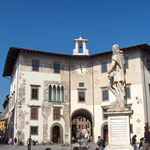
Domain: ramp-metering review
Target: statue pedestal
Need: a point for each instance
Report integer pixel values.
(118, 129)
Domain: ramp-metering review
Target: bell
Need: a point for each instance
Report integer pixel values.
(80, 45)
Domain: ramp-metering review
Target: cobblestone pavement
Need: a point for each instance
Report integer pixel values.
(92, 146)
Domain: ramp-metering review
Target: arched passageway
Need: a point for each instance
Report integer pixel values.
(81, 119)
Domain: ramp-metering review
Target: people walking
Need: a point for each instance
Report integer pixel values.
(141, 143)
(10, 141)
(146, 145)
(100, 143)
(15, 141)
(134, 142)
(29, 142)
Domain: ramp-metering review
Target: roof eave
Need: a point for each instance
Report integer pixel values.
(14, 52)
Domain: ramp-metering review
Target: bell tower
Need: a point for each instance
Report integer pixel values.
(80, 43)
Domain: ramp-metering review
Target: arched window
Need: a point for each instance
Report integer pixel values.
(54, 93)
(58, 93)
(62, 93)
(50, 93)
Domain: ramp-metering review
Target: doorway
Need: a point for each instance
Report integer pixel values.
(56, 134)
(105, 133)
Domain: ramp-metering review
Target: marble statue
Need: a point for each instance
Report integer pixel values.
(116, 76)
(86, 135)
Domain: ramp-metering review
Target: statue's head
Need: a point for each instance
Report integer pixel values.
(115, 48)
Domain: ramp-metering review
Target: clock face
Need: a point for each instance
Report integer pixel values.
(81, 70)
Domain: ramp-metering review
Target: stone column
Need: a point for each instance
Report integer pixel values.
(84, 47)
(75, 51)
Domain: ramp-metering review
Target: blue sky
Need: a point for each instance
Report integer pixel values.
(51, 25)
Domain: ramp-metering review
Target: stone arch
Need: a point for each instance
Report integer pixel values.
(82, 112)
(60, 130)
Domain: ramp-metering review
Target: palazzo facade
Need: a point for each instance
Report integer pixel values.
(49, 90)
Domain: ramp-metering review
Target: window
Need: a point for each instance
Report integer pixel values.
(81, 84)
(50, 93)
(104, 67)
(34, 92)
(148, 65)
(128, 95)
(81, 96)
(62, 93)
(86, 126)
(33, 130)
(105, 94)
(56, 93)
(80, 126)
(80, 119)
(56, 113)
(56, 68)
(35, 65)
(34, 113)
(126, 63)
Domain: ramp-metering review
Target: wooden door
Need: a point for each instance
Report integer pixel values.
(105, 133)
(56, 134)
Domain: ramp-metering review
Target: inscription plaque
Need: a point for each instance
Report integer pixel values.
(118, 130)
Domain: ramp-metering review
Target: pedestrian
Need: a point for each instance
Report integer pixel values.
(15, 141)
(29, 142)
(10, 141)
(146, 145)
(141, 143)
(134, 142)
(73, 139)
(100, 143)
(147, 125)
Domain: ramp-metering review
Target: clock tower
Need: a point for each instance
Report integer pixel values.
(79, 43)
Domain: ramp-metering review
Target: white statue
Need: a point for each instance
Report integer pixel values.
(116, 75)
(86, 136)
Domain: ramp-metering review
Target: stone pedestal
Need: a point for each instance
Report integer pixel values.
(118, 129)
